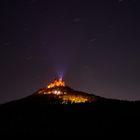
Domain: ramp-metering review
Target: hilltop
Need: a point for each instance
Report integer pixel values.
(58, 111)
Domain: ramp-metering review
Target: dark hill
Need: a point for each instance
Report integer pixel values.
(45, 115)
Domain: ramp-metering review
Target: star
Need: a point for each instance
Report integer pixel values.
(76, 20)
(29, 58)
(6, 44)
(93, 39)
(86, 67)
(120, 1)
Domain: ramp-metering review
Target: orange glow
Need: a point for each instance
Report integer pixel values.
(74, 99)
(57, 83)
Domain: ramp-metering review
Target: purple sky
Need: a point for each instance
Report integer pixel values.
(95, 46)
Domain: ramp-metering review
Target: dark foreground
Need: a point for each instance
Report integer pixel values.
(34, 116)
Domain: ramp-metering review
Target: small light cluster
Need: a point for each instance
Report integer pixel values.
(74, 99)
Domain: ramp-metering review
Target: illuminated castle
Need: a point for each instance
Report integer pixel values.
(61, 91)
(57, 83)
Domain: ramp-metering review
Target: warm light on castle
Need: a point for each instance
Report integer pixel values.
(57, 83)
(62, 92)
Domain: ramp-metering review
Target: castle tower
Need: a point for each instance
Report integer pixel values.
(57, 83)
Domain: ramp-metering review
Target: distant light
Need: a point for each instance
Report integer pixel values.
(57, 92)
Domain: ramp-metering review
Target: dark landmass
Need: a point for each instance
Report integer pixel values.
(45, 115)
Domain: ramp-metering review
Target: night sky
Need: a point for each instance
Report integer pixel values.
(94, 45)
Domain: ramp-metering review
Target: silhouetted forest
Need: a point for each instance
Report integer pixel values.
(43, 115)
